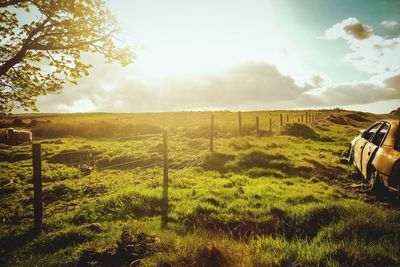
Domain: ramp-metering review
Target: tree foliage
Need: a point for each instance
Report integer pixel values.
(41, 43)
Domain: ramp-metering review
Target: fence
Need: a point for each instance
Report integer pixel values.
(167, 165)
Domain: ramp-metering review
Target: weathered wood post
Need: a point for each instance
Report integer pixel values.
(298, 119)
(240, 122)
(164, 216)
(309, 119)
(281, 119)
(302, 118)
(37, 188)
(257, 126)
(287, 118)
(270, 125)
(306, 117)
(212, 134)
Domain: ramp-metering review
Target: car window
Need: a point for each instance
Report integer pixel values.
(371, 131)
(378, 138)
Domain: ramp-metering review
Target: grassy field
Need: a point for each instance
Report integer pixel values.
(280, 199)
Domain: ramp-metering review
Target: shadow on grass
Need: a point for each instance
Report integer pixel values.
(278, 222)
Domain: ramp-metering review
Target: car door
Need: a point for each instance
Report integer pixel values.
(372, 146)
(359, 145)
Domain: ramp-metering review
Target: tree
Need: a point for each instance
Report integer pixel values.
(41, 43)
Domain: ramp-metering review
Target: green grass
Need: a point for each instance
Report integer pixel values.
(275, 200)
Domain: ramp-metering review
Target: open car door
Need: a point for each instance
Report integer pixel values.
(361, 143)
(371, 147)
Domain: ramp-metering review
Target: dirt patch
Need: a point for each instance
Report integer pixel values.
(129, 250)
(353, 119)
(302, 130)
(359, 117)
(325, 171)
(395, 113)
(338, 119)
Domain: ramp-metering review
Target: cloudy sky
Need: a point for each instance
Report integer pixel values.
(246, 55)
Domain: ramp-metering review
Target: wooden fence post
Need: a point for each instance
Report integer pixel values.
(287, 118)
(212, 134)
(37, 188)
(306, 117)
(302, 118)
(240, 122)
(164, 216)
(257, 126)
(281, 119)
(270, 125)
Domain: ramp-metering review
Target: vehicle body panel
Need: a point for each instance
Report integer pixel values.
(358, 148)
(366, 155)
(381, 155)
(383, 161)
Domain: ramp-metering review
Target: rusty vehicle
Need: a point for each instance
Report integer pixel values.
(375, 153)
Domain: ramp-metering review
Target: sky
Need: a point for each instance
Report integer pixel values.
(245, 55)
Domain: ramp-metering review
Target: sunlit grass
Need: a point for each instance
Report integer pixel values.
(257, 201)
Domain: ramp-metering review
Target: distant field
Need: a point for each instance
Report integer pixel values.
(279, 199)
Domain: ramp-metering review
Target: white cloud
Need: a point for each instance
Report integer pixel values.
(247, 87)
(389, 24)
(244, 87)
(349, 29)
(370, 53)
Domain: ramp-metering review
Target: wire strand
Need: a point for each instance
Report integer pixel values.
(128, 162)
(130, 137)
(74, 152)
(187, 161)
(188, 167)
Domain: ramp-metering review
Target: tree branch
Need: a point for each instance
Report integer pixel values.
(26, 81)
(22, 52)
(41, 47)
(11, 2)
